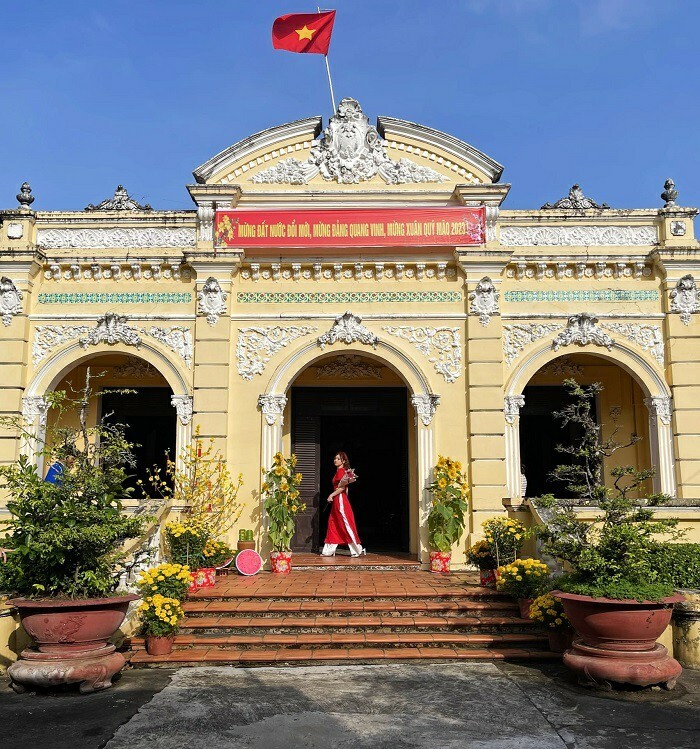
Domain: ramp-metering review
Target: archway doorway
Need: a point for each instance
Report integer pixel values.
(355, 405)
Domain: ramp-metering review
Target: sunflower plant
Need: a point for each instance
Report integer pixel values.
(523, 578)
(549, 611)
(447, 514)
(504, 536)
(160, 615)
(281, 500)
(169, 580)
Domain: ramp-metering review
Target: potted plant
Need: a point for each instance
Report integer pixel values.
(549, 612)
(217, 554)
(447, 513)
(523, 579)
(504, 536)
(281, 504)
(615, 596)
(65, 539)
(203, 484)
(169, 580)
(479, 554)
(160, 617)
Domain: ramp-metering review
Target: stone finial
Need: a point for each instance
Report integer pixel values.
(24, 196)
(575, 201)
(669, 194)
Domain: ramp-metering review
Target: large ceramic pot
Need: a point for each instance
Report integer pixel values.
(159, 645)
(72, 642)
(616, 640)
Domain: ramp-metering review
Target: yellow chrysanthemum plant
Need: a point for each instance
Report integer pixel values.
(281, 500)
(523, 578)
(480, 556)
(169, 580)
(447, 515)
(160, 615)
(549, 611)
(504, 536)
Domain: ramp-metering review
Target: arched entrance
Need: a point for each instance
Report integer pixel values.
(358, 405)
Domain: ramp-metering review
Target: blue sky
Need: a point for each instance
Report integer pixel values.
(600, 92)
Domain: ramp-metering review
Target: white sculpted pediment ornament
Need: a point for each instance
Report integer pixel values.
(582, 329)
(256, 346)
(348, 328)
(350, 151)
(442, 347)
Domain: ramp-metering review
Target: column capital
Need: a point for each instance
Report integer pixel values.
(512, 405)
(425, 404)
(183, 407)
(660, 406)
(272, 407)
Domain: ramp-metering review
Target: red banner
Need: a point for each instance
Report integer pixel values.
(352, 227)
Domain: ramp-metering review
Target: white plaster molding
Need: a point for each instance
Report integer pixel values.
(484, 301)
(272, 407)
(348, 328)
(111, 329)
(256, 346)
(10, 300)
(349, 367)
(205, 221)
(582, 329)
(511, 407)
(685, 298)
(517, 337)
(442, 346)
(660, 406)
(577, 236)
(647, 336)
(122, 237)
(211, 300)
(183, 407)
(425, 404)
(35, 409)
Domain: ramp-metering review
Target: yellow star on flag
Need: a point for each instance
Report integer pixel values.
(306, 32)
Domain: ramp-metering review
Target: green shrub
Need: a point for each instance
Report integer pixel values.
(678, 564)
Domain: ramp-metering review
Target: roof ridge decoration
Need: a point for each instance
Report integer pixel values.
(120, 201)
(575, 201)
(350, 151)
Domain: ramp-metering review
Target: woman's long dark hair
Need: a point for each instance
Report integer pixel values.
(344, 459)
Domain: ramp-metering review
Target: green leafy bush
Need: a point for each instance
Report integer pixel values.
(679, 564)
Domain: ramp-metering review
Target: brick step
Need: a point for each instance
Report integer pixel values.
(231, 625)
(312, 656)
(380, 639)
(349, 593)
(344, 607)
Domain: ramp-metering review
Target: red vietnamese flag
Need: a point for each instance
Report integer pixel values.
(304, 32)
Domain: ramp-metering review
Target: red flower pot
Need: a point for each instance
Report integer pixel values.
(159, 645)
(487, 578)
(440, 561)
(616, 640)
(281, 562)
(205, 577)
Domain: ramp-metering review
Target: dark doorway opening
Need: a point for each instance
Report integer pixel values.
(150, 421)
(371, 426)
(540, 433)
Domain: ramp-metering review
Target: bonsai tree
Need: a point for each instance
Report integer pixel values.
(446, 518)
(281, 501)
(612, 557)
(65, 537)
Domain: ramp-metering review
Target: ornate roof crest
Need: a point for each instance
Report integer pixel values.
(575, 201)
(350, 151)
(121, 201)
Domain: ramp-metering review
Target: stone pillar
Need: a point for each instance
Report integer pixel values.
(511, 410)
(272, 407)
(425, 405)
(661, 438)
(183, 434)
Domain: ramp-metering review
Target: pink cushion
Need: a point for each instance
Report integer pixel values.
(248, 562)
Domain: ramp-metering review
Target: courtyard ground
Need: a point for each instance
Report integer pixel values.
(474, 705)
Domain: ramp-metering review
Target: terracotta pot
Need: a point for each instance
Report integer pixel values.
(524, 605)
(487, 578)
(159, 645)
(281, 562)
(560, 639)
(205, 577)
(616, 640)
(242, 545)
(440, 561)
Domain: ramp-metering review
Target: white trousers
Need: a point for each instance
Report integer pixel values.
(329, 550)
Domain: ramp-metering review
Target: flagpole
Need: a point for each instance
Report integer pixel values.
(328, 70)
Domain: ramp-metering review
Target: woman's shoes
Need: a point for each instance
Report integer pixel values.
(327, 555)
(363, 553)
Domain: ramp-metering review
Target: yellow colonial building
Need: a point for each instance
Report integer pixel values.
(363, 288)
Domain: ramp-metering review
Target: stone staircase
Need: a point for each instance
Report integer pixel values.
(325, 616)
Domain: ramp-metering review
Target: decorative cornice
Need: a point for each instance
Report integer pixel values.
(256, 346)
(344, 271)
(135, 270)
(123, 237)
(442, 347)
(542, 266)
(348, 328)
(578, 236)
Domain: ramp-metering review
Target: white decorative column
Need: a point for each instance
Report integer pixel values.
(511, 409)
(661, 439)
(183, 433)
(272, 407)
(425, 404)
(35, 409)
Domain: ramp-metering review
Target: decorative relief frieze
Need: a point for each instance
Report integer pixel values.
(10, 300)
(110, 329)
(685, 298)
(349, 367)
(350, 151)
(102, 297)
(346, 297)
(256, 346)
(582, 329)
(347, 271)
(578, 236)
(211, 300)
(348, 328)
(442, 347)
(583, 295)
(511, 407)
(517, 337)
(134, 368)
(123, 237)
(484, 301)
(647, 337)
(426, 405)
(135, 271)
(183, 408)
(564, 367)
